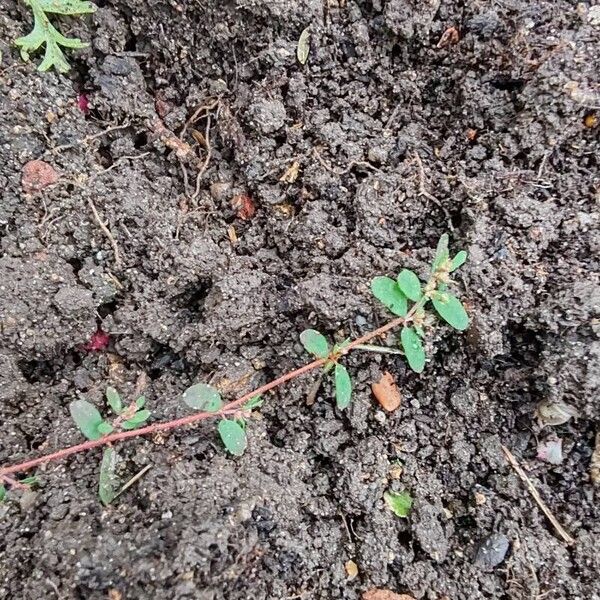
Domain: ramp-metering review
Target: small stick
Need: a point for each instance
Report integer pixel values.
(536, 496)
(206, 160)
(106, 232)
(133, 480)
(89, 138)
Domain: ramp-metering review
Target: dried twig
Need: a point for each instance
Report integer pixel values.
(89, 138)
(106, 232)
(536, 496)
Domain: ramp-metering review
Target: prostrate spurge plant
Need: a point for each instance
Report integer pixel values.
(406, 296)
(44, 32)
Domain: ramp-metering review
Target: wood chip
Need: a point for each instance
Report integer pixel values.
(387, 393)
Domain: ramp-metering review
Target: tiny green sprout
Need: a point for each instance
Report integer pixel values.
(399, 503)
(2, 493)
(343, 387)
(44, 32)
(94, 426)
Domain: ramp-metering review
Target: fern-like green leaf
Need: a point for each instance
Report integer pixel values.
(44, 32)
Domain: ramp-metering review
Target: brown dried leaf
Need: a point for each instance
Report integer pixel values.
(291, 173)
(387, 393)
(351, 568)
(379, 594)
(555, 412)
(449, 37)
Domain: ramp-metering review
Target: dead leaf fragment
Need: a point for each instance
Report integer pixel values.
(303, 46)
(351, 569)
(37, 175)
(449, 37)
(379, 594)
(555, 413)
(243, 204)
(387, 393)
(291, 173)
(595, 462)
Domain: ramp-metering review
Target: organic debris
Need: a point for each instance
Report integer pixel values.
(555, 412)
(244, 206)
(387, 393)
(351, 569)
(37, 175)
(550, 451)
(379, 594)
(303, 46)
(595, 462)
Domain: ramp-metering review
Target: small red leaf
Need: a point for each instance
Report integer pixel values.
(99, 341)
(243, 204)
(83, 103)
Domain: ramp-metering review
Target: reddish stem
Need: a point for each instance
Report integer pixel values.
(200, 416)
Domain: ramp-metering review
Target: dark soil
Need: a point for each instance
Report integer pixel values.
(509, 167)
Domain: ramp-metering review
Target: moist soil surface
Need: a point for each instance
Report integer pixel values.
(248, 197)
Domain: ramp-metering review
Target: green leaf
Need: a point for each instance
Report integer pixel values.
(409, 284)
(315, 343)
(140, 402)
(2, 493)
(343, 387)
(441, 252)
(451, 310)
(458, 260)
(303, 46)
(413, 348)
(44, 32)
(139, 417)
(254, 402)
(233, 436)
(105, 428)
(87, 418)
(109, 482)
(29, 481)
(204, 397)
(399, 503)
(386, 290)
(114, 400)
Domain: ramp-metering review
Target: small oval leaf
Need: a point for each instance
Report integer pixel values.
(315, 343)
(109, 482)
(343, 387)
(399, 503)
(413, 348)
(114, 400)
(303, 46)
(139, 417)
(458, 260)
(233, 436)
(441, 252)
(105, 428)
(409, 284)
(451, 310)
(87, 418)
(386, 290)
(202, 396)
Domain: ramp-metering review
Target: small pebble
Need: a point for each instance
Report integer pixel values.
(492, 551)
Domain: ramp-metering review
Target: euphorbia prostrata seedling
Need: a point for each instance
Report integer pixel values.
(406, 297)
